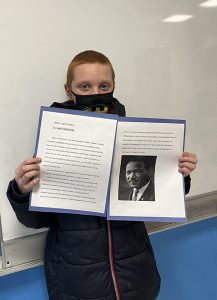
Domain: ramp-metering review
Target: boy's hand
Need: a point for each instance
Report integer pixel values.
(187, 163)
(27, 174)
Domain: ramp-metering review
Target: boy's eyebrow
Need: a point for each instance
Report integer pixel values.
(82, 81)
(89, 81)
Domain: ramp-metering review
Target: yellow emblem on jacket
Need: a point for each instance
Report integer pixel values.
(97, 108)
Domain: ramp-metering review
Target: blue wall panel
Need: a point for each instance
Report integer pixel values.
(25, 285)
(187, 261)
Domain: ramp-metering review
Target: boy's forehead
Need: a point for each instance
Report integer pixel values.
(89, 71)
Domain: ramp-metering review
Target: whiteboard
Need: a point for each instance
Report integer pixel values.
(163, 70)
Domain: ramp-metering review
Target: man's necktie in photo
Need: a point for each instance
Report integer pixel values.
(135, 194)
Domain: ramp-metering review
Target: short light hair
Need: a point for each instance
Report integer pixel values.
(87, 57)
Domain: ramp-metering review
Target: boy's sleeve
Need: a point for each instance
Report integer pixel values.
(187, 184)
(20, 205)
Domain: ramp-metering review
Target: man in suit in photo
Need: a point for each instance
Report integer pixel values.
(138, 176)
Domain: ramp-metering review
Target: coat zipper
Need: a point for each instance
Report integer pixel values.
(111, 260)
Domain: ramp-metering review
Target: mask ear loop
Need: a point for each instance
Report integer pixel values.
(73, 94)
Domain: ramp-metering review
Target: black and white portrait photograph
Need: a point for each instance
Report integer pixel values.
(136, 180)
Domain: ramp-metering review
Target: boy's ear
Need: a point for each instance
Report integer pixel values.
(68, 92)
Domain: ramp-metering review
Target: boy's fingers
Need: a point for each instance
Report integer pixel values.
(29, 186)
(189, 166)
(26, 174)
(188, 158)
(32, 160)
(27, 177)
(26, 166)
(187, 163)
(185, 171)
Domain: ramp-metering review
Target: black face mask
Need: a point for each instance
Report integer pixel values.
(96, 102)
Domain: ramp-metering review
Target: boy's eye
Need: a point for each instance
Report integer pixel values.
(104, 86)
(84, 86)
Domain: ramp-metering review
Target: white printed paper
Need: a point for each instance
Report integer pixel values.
(158, 144)
(76, 152)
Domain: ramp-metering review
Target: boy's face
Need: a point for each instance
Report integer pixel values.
(90, 79)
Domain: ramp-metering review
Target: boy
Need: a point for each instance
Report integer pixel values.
(88, 257)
